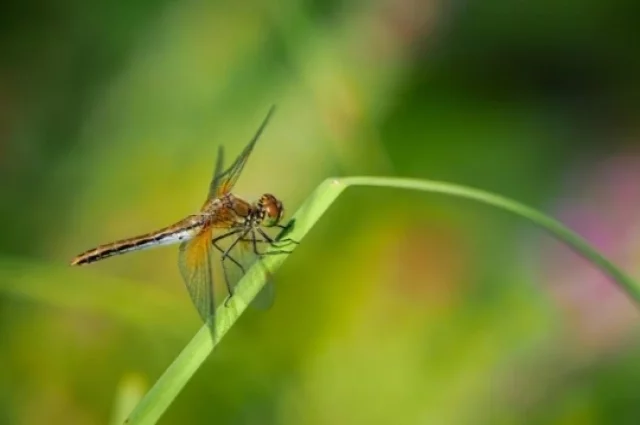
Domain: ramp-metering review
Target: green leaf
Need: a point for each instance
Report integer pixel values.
(158, 399)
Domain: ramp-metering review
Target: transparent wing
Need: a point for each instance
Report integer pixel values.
(223, 183)
(194, 261)
(217, 173)
(245, 248)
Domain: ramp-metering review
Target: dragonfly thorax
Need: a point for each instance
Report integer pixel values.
(268, 211)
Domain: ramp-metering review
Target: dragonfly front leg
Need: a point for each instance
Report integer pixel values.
(275, 244)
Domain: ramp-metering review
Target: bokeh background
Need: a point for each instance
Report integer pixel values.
(399, 307)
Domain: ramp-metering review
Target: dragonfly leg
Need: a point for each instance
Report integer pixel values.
(233, 260)
(283, 242)
(225, 256)
(226, 278)
(224, 270)
(224, 236)
(267, 239)
(274, 243)
(286, 240)
(268, 286)
(278, 252)
(254, 243)
(283, 226)
(222, 251)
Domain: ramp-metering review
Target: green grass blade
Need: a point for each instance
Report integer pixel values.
(162, 394)
(158, 399)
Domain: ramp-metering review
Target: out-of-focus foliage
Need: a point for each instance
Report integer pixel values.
(398, 308)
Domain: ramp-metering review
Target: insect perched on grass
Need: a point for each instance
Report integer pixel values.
(224, 217)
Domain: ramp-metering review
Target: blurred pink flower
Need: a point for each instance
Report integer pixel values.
(602, 204)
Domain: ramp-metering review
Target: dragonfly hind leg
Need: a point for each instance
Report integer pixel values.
(225, 254)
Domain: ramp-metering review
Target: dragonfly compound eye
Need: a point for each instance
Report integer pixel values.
(273, 210)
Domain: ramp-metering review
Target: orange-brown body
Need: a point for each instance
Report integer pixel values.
(226, 212)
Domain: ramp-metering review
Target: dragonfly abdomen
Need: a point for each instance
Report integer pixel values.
(164, 237)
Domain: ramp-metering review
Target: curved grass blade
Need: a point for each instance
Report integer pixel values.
(198, 349)
(180, 371)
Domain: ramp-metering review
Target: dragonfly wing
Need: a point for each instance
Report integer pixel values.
(225, 182)
(217, 174)
(194, 260)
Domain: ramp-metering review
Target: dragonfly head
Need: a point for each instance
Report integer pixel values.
(271, 210)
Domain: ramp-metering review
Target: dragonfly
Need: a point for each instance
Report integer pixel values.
(223, 218)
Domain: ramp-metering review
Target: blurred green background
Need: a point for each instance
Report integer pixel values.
(399, 307)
